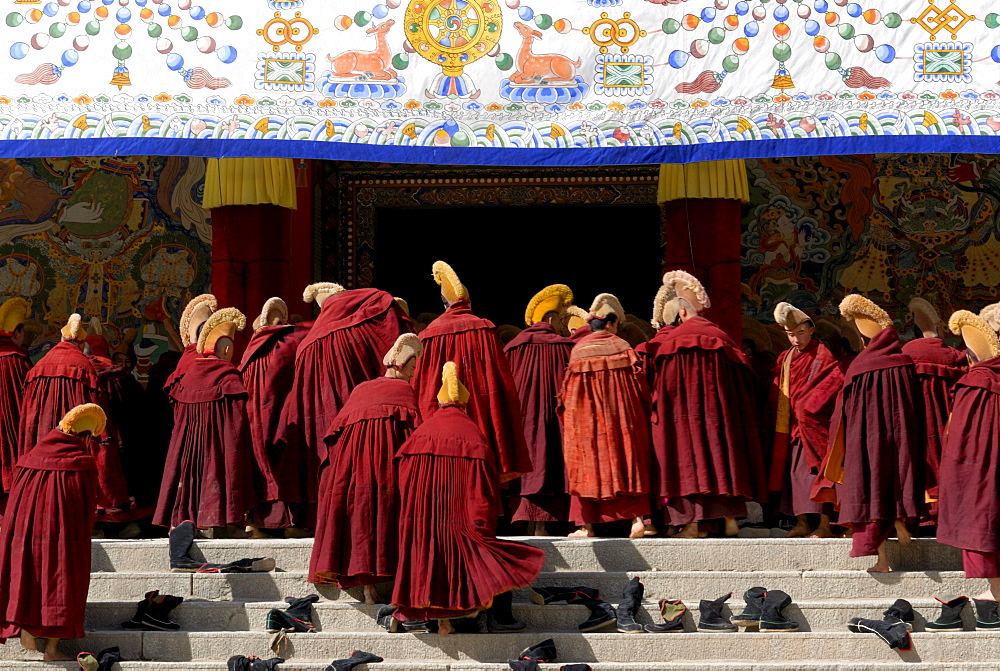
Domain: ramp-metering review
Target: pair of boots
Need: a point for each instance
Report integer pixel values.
(181, 540)
(153, 612)
(357, 658)
(893, 628)
(530, 658)
(602, 613)
(987, 617)
(102, 661)
(384, 618)
(252, 663)
(296, 618)
(763, 611)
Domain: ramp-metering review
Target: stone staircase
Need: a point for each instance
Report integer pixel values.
(223, 615)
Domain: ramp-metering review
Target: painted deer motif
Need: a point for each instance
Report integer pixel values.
(541, 68)
(364, 65)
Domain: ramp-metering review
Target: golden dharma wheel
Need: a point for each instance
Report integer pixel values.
(453, 33)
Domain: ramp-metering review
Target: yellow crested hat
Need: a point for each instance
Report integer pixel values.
(451, 287)
(926, 316)
(74, 329)
(320, 291)
(13, 312)
(788, 316)
(274, 312)
(577, 317)
(688, 287)
(868, 317)
(452, 389)
(606, 304)
(222, 324)
(404, 306)
(977, 334)
(990, 316)
(665, 305)
(406, 347)
(87, 417)
(197, 312)
(553, 298)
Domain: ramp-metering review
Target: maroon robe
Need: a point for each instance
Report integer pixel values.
(814, 380)
(538, 358)
(45, 546)
(114, 394)
(344, 348)
(358, 513)
(61, 380)
(580, 333)
(704, 417)
(969, 483)
(472, 343)
(938, 368)
(189, 354)
(208, 477)
(451, 563)
(875, 466)
(268, 371)
(14, 367)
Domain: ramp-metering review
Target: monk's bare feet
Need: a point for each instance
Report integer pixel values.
(53, 654)
(540, 529)
(586, 531)
(370, 595)
(902, 533)
(800, 530)
(732, 527)
(650, 530)
(880, 567)
(28, 641)
(689, 531)
(638, 529)
(823, 532)
(445, 628)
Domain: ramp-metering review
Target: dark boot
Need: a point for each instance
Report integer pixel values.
(986, 615)
(894, 632)
(543, 596)
(357, 658)
(523, 664)
(158, 609)
(384, 619)
(750, 617)
(107, 658)
(711, 618)
(671, 612)
(540, 652)
(500, 616)
(899, 611)
(181, 540)
(255, 565)
(602, 614)
(297, 617)
(950, 618)
(629, 607)
(575, 667)
(140, 613)
(771, 617)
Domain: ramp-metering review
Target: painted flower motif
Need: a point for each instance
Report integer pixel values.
(162, 98)
(949, 95)
(867, 96)
(782, 98)
(83, 100)
(412, 105)
(494, 107)
(244, 100)
(698, 104)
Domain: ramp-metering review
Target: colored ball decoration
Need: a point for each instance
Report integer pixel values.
(70, 57)
(781, 32)
(677, 58)
(780, 13)
(563, 26)
(14, 19)
(741, 8)
(380, 11)
(19, 50)
(803, 12)
(854, 9)
(175, 61)
(121, 51)
(892, 20)
(708, 14)
(731, 22)
(832, 61)
(887, 53)
(206, 44)
(716, 35)
(992, 21)
(730, 63)
(690, 21)
(781, 52)
(362, 18)
(812, 28)
(751, 29)
(543, 21)
(227, 54)
(699, 48)
(154, 30)
(759, 13)
(526, 13)
(864, 43)
(669, 26)
(821, 44)
(741, 46)
(821, 6)
(504, 61)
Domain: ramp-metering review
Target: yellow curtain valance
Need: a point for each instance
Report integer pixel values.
(250, 181)
(706, 179)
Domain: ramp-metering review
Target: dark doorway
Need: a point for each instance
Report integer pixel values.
(506, 254)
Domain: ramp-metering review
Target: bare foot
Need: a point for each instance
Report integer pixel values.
(53, 654)
(823, 532)
(880, 567)
(255, 532)
(370, 595)
(582, 532)
(732, 527)
(689, 531)
(798, 531)
(985, 596)
(638, 530)
(650, 530)
(445, 628)
(28, 641)
(902, 533)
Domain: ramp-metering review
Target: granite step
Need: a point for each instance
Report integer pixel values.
(395, 665)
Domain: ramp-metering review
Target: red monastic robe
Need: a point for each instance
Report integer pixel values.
(875, 466)
(268, 372)
(45, 546)
(209, 473)
(472, 343)
(61, 380)
(804, 393)
(344, 348)
(604, 406)
(704, 418)
(938, 368)
(538, 359)
(358, 514)
(580, 333)
(123, 406)
(14, 367)
(189, 355)
(451, 563)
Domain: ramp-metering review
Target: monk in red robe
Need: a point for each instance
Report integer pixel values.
(209, 474)
(195, 314)
(969, 480)
(804, 393)
(709, 461)
(451, 564)
(358, 513)
(344, 347)
(459, 335)
(45, 547)
(14, 367)
(874, 469)
(576, 322)
(268, 371)
(604, 405)
(938, 367)
(538, 358)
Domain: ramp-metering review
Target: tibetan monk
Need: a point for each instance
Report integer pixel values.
(268, 371)
(358, 514)
(344, 347)
(460, 336)
(209, 474)
(709, 461)
(604, 406)
(14, 367)
(874, 469)
(576, 322)
(938, 367)
(45, 546)
(538, 358)
(451, 564)
(969, 479)
(804, 395)
(195, 314)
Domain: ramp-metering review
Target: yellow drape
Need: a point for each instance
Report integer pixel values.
(250, 181)
(706, 179)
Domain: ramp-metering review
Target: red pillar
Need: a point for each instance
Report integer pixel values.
(703, 237)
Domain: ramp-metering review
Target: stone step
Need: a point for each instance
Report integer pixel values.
(741, 648)
(590, 554)
(394, 665)
(340, 616)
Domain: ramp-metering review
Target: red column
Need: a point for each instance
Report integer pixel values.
(703, 237)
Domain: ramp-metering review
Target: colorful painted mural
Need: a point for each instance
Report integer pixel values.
(888, 226)
(123, 239)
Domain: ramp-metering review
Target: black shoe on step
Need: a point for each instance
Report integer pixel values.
(541, 652)
(357, 658)
(671, 611)
(950, 618)
(181, 539)
(543, 596)
(894, 632)
(711, 618)
(500, 616)
(771, 616)
(750, 617)
(987, 618)
(629, 606)
(158, 609)
(602, 614)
